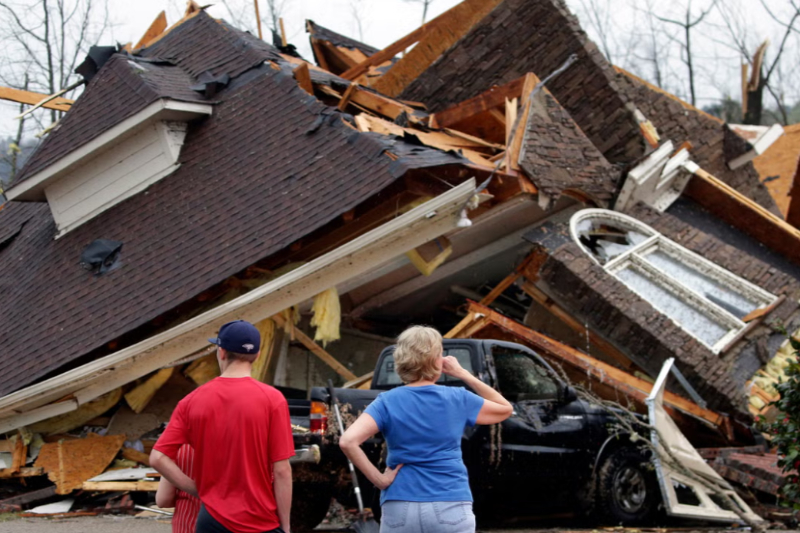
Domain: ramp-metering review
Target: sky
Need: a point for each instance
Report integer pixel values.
(384, 21)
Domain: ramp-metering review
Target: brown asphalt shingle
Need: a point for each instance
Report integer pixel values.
(254, 177)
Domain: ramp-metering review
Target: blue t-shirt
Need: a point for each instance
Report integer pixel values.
(423, 428)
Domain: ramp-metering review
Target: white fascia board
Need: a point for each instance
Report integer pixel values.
(759, 146)
(420, 225)
(33, 188)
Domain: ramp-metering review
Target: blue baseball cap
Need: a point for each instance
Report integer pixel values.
(238, 337)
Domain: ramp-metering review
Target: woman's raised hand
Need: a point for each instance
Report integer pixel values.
(452, 367)
(387, 478)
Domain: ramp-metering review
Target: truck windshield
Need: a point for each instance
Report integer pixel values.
(521, 378)
(387, 377)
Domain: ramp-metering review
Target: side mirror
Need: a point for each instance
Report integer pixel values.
(568, 395)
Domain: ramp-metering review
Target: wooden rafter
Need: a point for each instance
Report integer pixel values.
(315, 348)
(387, 53)
(31, 98)
(628, 385)
(440, 34)
(487, 100)
(156, 28)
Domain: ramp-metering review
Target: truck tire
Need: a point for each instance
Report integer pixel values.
(627, 492)
(310, 504)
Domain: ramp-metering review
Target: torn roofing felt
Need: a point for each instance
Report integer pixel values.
(336, 39)
(252, 180)
(714, 144)
(123, 87)
(558, 157)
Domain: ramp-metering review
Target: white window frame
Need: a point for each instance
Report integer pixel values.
(634, 258)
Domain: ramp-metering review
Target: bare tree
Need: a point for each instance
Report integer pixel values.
(425, 5)
(762, 73)
(686, 24)
(242, 14)
(43, 41)
(357, 11)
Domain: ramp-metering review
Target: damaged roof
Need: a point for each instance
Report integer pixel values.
(125, 85)
(271, 165)
(777, 166)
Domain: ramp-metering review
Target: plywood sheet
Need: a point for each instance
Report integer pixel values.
(69, 463)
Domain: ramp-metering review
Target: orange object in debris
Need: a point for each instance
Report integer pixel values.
(69, 463)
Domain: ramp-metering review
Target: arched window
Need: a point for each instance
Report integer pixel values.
(703, 298)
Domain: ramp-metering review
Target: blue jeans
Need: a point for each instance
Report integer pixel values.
(427, 517)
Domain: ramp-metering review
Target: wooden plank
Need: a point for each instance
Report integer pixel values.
(513, 151)
(316, 349)
(387, 53)
(488, 100)
(460, 327)
(348, 93)
(156, 28)
(120, 486)
(317, 45)
(741, 212)
(500, 288)
(511, 120)
(31, 98)
(140, 396)
(19, 454)
(192, 11)
(69, 463)
(623, 382)
(441, 33)
(135, 455)
(759, 313)
(29, 497)
(381, 105)
(303, 77)
(356, 383)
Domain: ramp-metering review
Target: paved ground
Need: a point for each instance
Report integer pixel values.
(129, 524)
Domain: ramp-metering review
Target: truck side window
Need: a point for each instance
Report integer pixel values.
(520, 377)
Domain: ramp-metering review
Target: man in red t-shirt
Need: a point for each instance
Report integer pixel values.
(242, 437)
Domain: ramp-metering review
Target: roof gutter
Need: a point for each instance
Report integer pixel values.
(369, 251)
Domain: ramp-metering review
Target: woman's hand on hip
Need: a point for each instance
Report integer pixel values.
(387, 478)
(452, 367)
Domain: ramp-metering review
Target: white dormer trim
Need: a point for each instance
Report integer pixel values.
(116, 165)
(657, 181)
(760, 145)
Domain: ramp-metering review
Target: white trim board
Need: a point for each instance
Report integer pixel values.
(423, 223)
(172, 110)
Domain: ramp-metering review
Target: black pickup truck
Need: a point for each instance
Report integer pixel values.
(555, 453)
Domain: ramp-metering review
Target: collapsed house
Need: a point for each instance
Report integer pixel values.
(205, 175)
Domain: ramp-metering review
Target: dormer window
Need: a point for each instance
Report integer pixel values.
(706, 300)
(121, 162)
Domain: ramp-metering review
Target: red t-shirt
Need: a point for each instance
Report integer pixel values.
(187, 506)
(238, 428)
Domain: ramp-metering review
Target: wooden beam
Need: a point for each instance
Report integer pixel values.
(120, 486)
(315, 348)
(156, 28)
(381, 104)
(356, 383)
(387, 53)
(513, 151)
(31, 98)
(317, 45)
(346, 96)
(631, 386)
(741, 212)
(303, 77)
(18, 456)
(488, 100)
(603, 345)
(442, 32)
(135, 455)
(140, 396)
(532, 262)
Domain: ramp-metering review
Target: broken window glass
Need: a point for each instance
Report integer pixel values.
(703, 298)
(521, 378)
(702, 284)
(606, 240)
(690, 318)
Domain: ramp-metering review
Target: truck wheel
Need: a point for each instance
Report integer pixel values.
(626, 488)
(310, 504)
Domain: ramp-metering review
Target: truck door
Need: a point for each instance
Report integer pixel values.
(540, 445)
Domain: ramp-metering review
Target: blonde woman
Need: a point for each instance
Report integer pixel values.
(425, 487)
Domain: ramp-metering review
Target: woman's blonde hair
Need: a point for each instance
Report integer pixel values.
(416, 353)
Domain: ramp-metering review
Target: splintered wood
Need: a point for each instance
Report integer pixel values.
(86, 412)
(68, 463)
(139, 397)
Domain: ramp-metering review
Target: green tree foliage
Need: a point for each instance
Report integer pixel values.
(785, 430)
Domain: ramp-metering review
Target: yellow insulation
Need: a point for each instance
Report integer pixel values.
(267, 330)
(327, 316)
